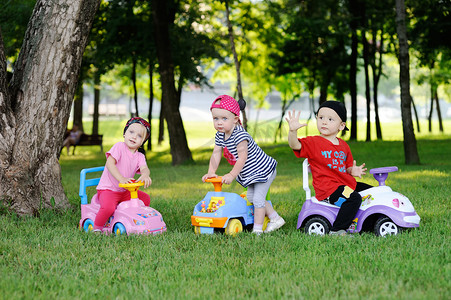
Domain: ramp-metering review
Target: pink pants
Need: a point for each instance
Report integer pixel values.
(109, 200)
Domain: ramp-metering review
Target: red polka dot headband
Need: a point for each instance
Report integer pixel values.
(139, 121)
(229, 103)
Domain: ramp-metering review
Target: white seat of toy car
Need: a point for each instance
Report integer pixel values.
(305, 184)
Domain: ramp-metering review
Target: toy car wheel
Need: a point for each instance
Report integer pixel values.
(317, 226)
(234, 227)
(88, 225)
(197, 229)
(385, 226)
(119, 229)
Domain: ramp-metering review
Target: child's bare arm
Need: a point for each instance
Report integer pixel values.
(293, 122)
(145, 175)
(215, 159)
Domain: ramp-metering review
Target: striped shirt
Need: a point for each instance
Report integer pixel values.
(258, 167)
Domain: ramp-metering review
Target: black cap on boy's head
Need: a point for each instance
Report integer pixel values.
(338, 107)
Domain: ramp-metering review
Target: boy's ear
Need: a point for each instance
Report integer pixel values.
(342, 126)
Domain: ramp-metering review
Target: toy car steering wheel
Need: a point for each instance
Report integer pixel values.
(381, 174)
(132, 187)
(217, 183)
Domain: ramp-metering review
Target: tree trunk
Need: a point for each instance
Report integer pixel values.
(353, 68)
(177, 136)
(432, 108)
(323, 90)
(237, 62)
(285, 106)
(36, 107)
(416, 114)
(161, 124)
(367, 86)
(95, 115)
(78, 105)
(439, 113)
(410, 143)
(377, 72)
(135, 89)
(149, 141)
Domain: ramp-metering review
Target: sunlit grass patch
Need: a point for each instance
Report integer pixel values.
(420, 174)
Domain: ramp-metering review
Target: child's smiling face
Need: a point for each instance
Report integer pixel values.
(134, 136)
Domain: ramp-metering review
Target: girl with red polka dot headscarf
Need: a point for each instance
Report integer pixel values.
(252, 167)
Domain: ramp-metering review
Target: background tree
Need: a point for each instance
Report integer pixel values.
(14, 17)
(354, 20)
(36, 105)
(315, 46)
(163, 16)
(381, 27)
(239, 87)
(410, 143)
(129, 41)
(430, 35)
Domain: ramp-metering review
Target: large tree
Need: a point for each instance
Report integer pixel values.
(315, 45)
(410, 143)
(430, 37)
(164, 14)
(35, 104)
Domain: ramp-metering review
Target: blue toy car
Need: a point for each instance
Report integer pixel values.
(383, 211)
(223, 211)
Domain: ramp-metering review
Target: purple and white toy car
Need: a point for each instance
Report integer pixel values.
(383, 211)
(131, 216)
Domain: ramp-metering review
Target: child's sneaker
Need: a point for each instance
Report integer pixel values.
(275, 224)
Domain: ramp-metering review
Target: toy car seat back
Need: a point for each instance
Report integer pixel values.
(305, 184)
(84, 183)
(305, 177)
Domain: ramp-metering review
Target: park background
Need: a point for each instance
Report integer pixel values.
(45, 255)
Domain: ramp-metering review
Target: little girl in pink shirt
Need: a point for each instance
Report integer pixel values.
(123, 162)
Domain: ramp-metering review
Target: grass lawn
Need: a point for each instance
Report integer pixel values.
(48, 257)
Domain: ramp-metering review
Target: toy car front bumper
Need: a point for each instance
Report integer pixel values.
(412, 219)
(208, 222)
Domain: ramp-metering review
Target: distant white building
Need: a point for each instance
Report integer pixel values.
(195, 106)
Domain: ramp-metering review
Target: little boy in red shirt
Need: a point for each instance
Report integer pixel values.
(331, 162)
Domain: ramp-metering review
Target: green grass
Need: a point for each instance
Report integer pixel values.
(48, 257)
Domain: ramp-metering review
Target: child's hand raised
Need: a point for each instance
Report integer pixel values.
(293, 120)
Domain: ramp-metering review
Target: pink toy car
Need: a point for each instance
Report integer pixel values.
(130, 217)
